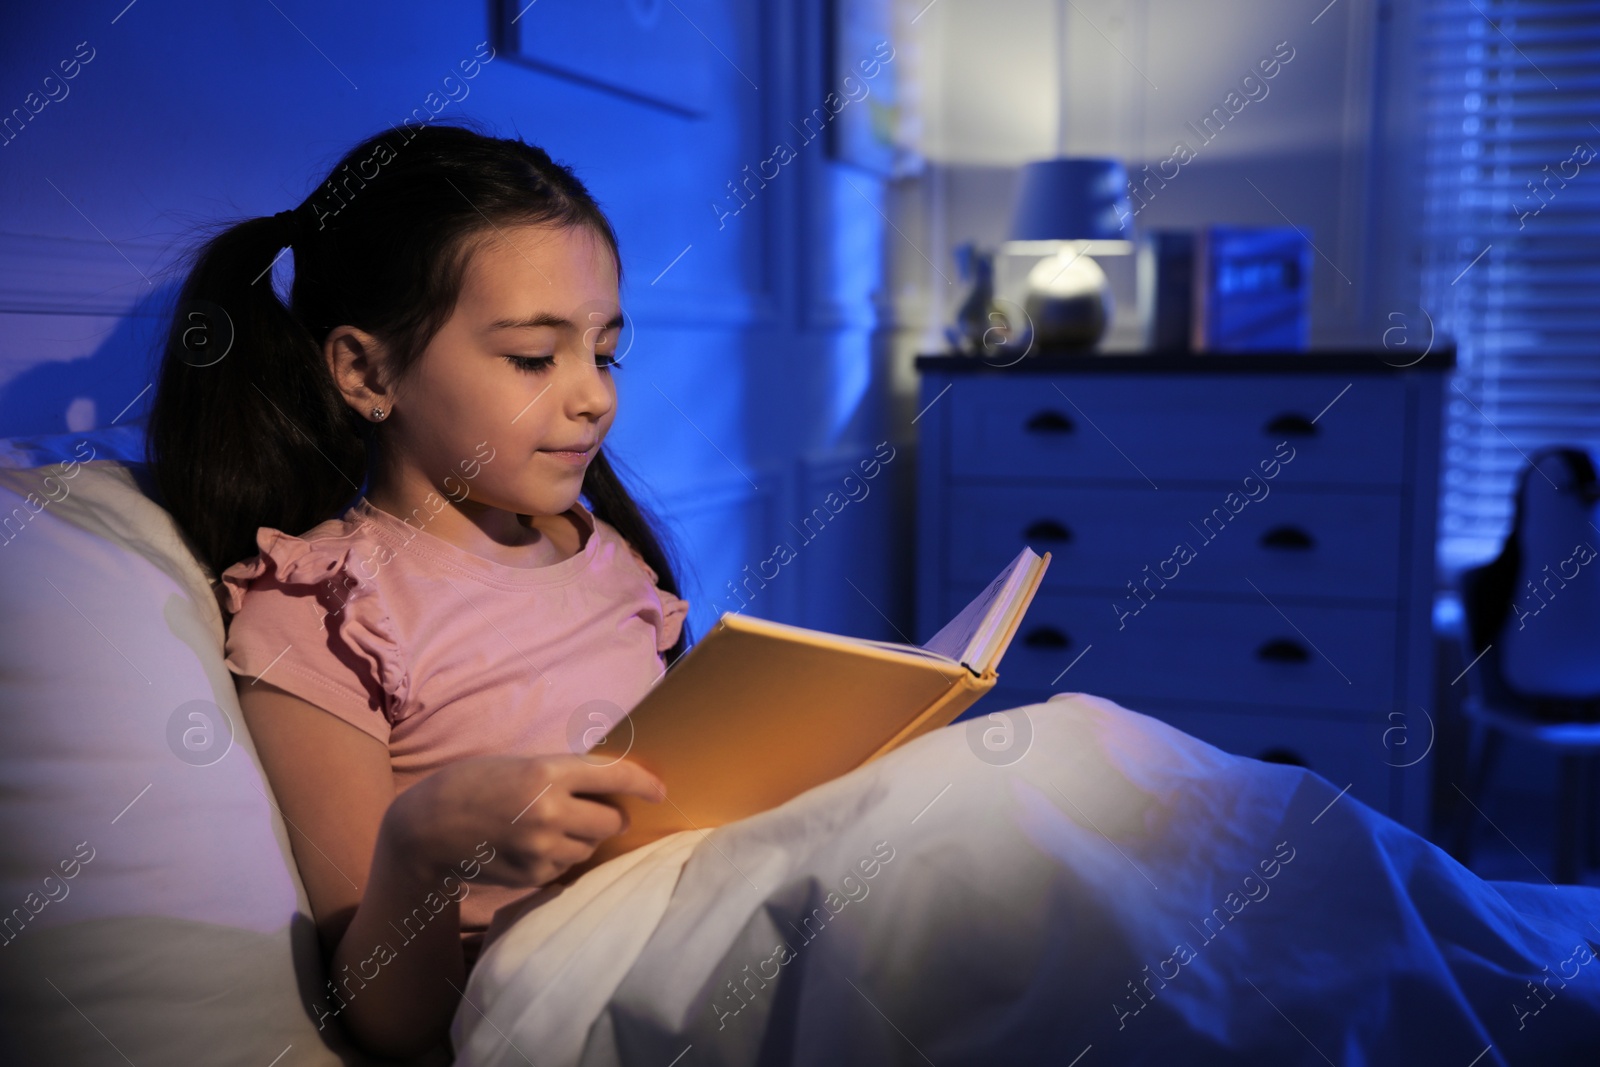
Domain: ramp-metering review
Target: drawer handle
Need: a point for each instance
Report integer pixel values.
(1046, 637)
(1282, 650)
(1287, 537)
(1050, 422)
(1290, 424)
(1048, 530)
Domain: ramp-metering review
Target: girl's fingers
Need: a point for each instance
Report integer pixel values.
(623, 776)
(590, 820)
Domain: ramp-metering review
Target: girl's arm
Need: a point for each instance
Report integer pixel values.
(334, 786)
(368, 858)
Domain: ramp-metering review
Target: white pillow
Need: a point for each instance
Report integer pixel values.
(150, 908)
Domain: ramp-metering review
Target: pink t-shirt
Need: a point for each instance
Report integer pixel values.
(442, 654)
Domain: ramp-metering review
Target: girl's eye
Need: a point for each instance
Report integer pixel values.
(531, 363)
(604, 360)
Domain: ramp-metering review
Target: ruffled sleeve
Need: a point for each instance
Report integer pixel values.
(673, 608)
(308, 616)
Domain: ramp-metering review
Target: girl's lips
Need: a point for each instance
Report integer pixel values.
(562, 456)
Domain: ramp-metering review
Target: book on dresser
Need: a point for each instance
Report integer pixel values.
(757, 712)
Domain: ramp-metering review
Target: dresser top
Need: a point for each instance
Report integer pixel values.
(1317, 361)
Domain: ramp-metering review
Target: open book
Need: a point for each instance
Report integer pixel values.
(758, 712)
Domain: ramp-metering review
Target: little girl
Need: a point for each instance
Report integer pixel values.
(425, 618)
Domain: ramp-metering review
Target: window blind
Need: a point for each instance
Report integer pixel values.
(1511, 244)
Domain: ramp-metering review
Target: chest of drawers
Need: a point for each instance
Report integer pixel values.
(1241, 546)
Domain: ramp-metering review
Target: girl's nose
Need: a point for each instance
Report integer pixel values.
(590, 394)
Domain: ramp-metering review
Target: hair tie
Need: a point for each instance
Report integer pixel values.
(288, 223)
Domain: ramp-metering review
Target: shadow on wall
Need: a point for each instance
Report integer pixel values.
(114, 384)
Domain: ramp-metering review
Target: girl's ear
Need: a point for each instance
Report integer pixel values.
(358, 363)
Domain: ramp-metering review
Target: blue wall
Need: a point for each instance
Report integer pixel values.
(755, 384)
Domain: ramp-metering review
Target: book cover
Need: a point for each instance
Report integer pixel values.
(757, 712)
(1253, 289)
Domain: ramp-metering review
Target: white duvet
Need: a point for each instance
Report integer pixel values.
(1067, 883)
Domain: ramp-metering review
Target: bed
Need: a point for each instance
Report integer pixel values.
(1101, 889)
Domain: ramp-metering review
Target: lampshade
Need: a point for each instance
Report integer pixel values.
(1073, 200)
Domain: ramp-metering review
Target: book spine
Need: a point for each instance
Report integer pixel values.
(964, 691)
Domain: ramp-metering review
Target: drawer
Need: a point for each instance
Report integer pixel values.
(1185, 427)
(1345, 751)
(1220, 653)
(1301, 542)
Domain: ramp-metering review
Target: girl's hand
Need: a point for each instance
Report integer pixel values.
(540, 815)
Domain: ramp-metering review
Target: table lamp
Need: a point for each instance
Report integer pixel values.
(1069, 210)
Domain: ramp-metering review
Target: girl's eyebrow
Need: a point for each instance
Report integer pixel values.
(547, 319)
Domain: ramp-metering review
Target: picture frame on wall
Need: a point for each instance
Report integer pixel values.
(872, 124)
(652, 52)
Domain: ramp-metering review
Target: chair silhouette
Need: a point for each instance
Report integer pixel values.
(1533, 647)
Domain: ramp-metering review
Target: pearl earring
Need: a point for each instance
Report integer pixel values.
(378, 414)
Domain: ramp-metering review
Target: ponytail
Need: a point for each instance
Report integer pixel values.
(247, 428)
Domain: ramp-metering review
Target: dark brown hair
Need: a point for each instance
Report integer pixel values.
(248, 429)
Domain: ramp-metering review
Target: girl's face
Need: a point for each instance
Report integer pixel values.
(513, 396)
